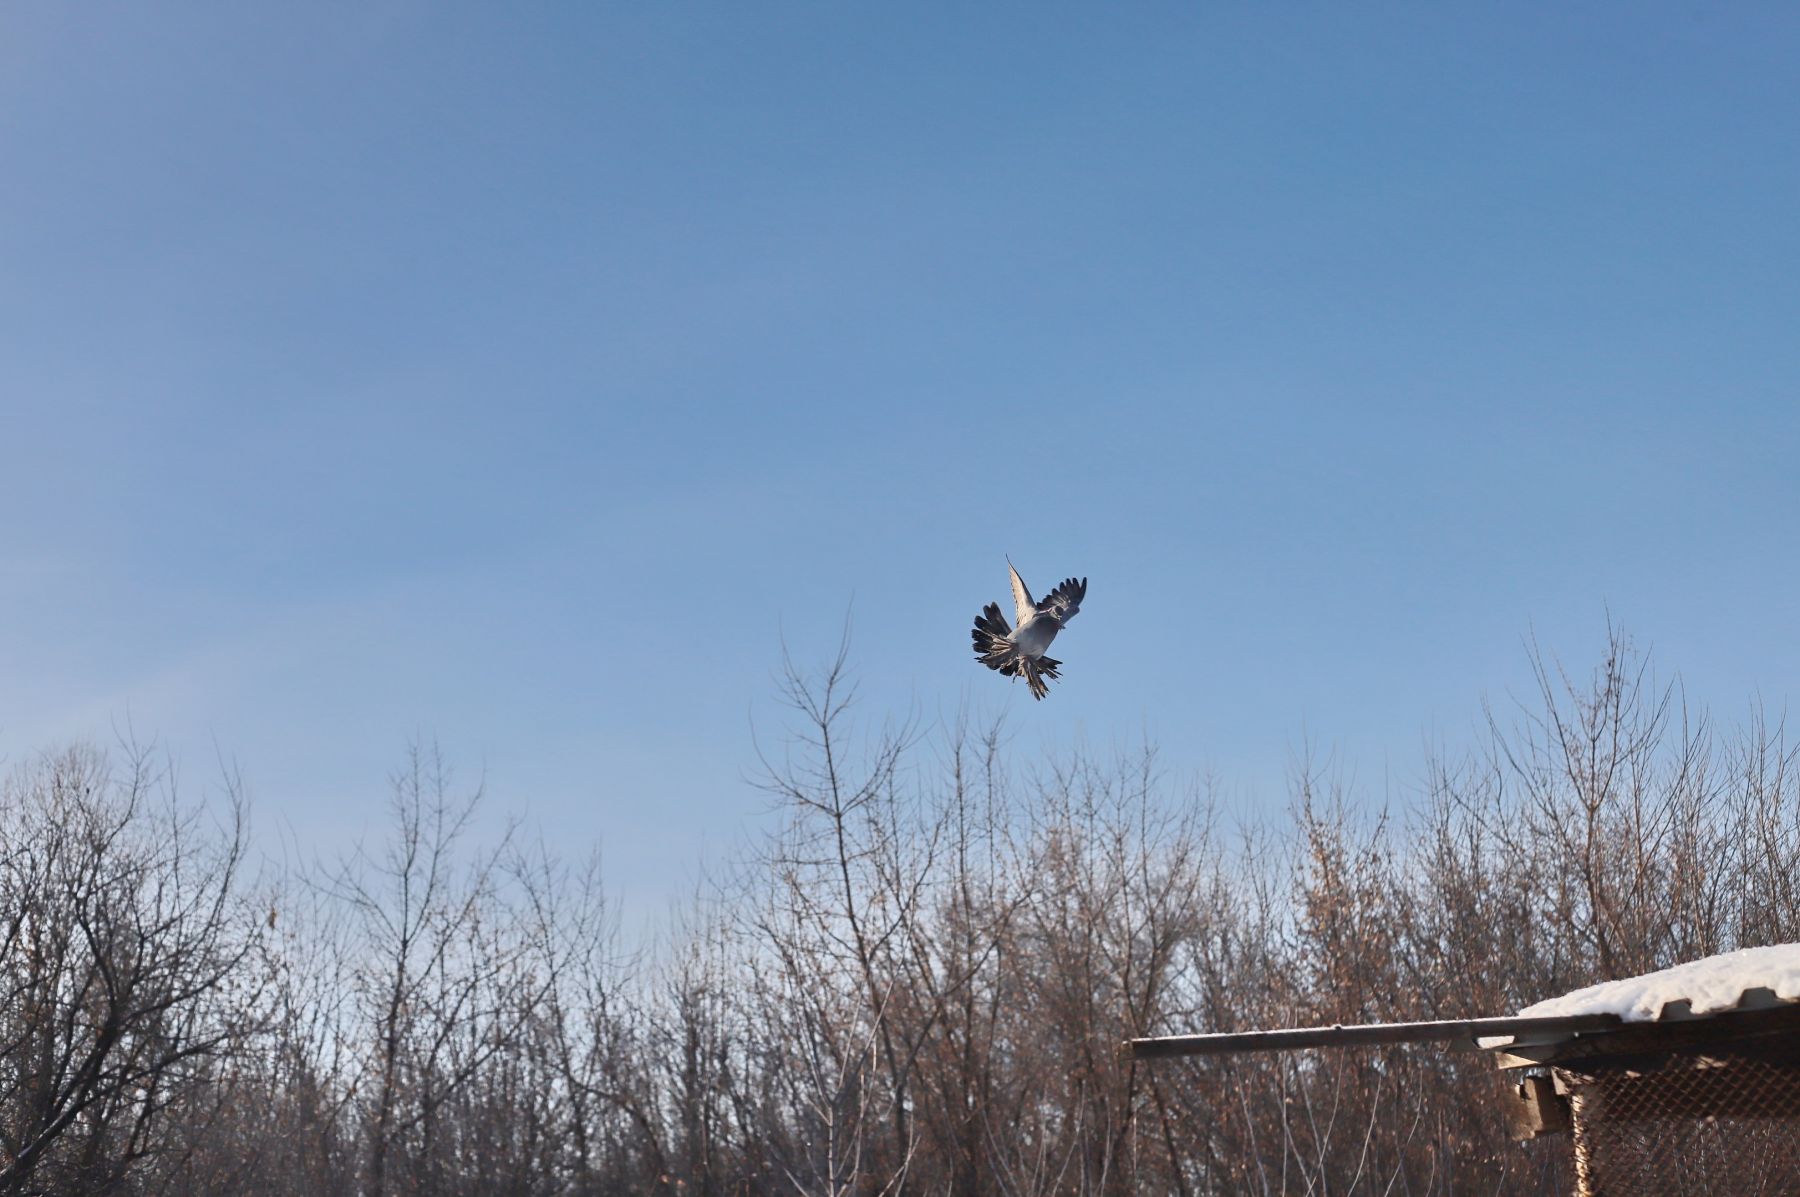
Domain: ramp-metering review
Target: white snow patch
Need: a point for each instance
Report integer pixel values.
(1713, 984)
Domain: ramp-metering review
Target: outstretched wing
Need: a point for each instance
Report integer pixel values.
(1023, 607)
(1065, 601)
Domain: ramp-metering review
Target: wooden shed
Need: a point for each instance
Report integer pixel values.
(1695, 1091)
(1682, 1082)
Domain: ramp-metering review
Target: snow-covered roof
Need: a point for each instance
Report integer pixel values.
(1709, 986)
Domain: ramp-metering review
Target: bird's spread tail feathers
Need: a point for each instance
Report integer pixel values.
(992, 648)
(1038, 674)
(996, 651)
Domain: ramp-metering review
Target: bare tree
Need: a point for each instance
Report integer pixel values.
(121, 954)
(442, 975)
(844, 897)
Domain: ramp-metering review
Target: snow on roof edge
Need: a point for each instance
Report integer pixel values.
(1710, 985)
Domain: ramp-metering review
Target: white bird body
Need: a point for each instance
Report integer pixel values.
(1033, 636)
(1019, 652)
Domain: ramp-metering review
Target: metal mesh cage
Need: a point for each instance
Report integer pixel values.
(1708, 1124)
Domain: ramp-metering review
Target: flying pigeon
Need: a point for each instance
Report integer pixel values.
(1020, 652)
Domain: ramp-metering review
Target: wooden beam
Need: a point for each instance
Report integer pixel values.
(1366, 1035)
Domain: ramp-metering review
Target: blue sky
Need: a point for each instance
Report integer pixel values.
(520, 377)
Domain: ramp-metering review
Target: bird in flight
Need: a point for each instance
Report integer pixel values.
(1019, 652)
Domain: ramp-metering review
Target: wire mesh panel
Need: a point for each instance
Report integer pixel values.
(1725, 1125)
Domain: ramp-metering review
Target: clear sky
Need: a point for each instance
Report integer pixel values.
(520, 375)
